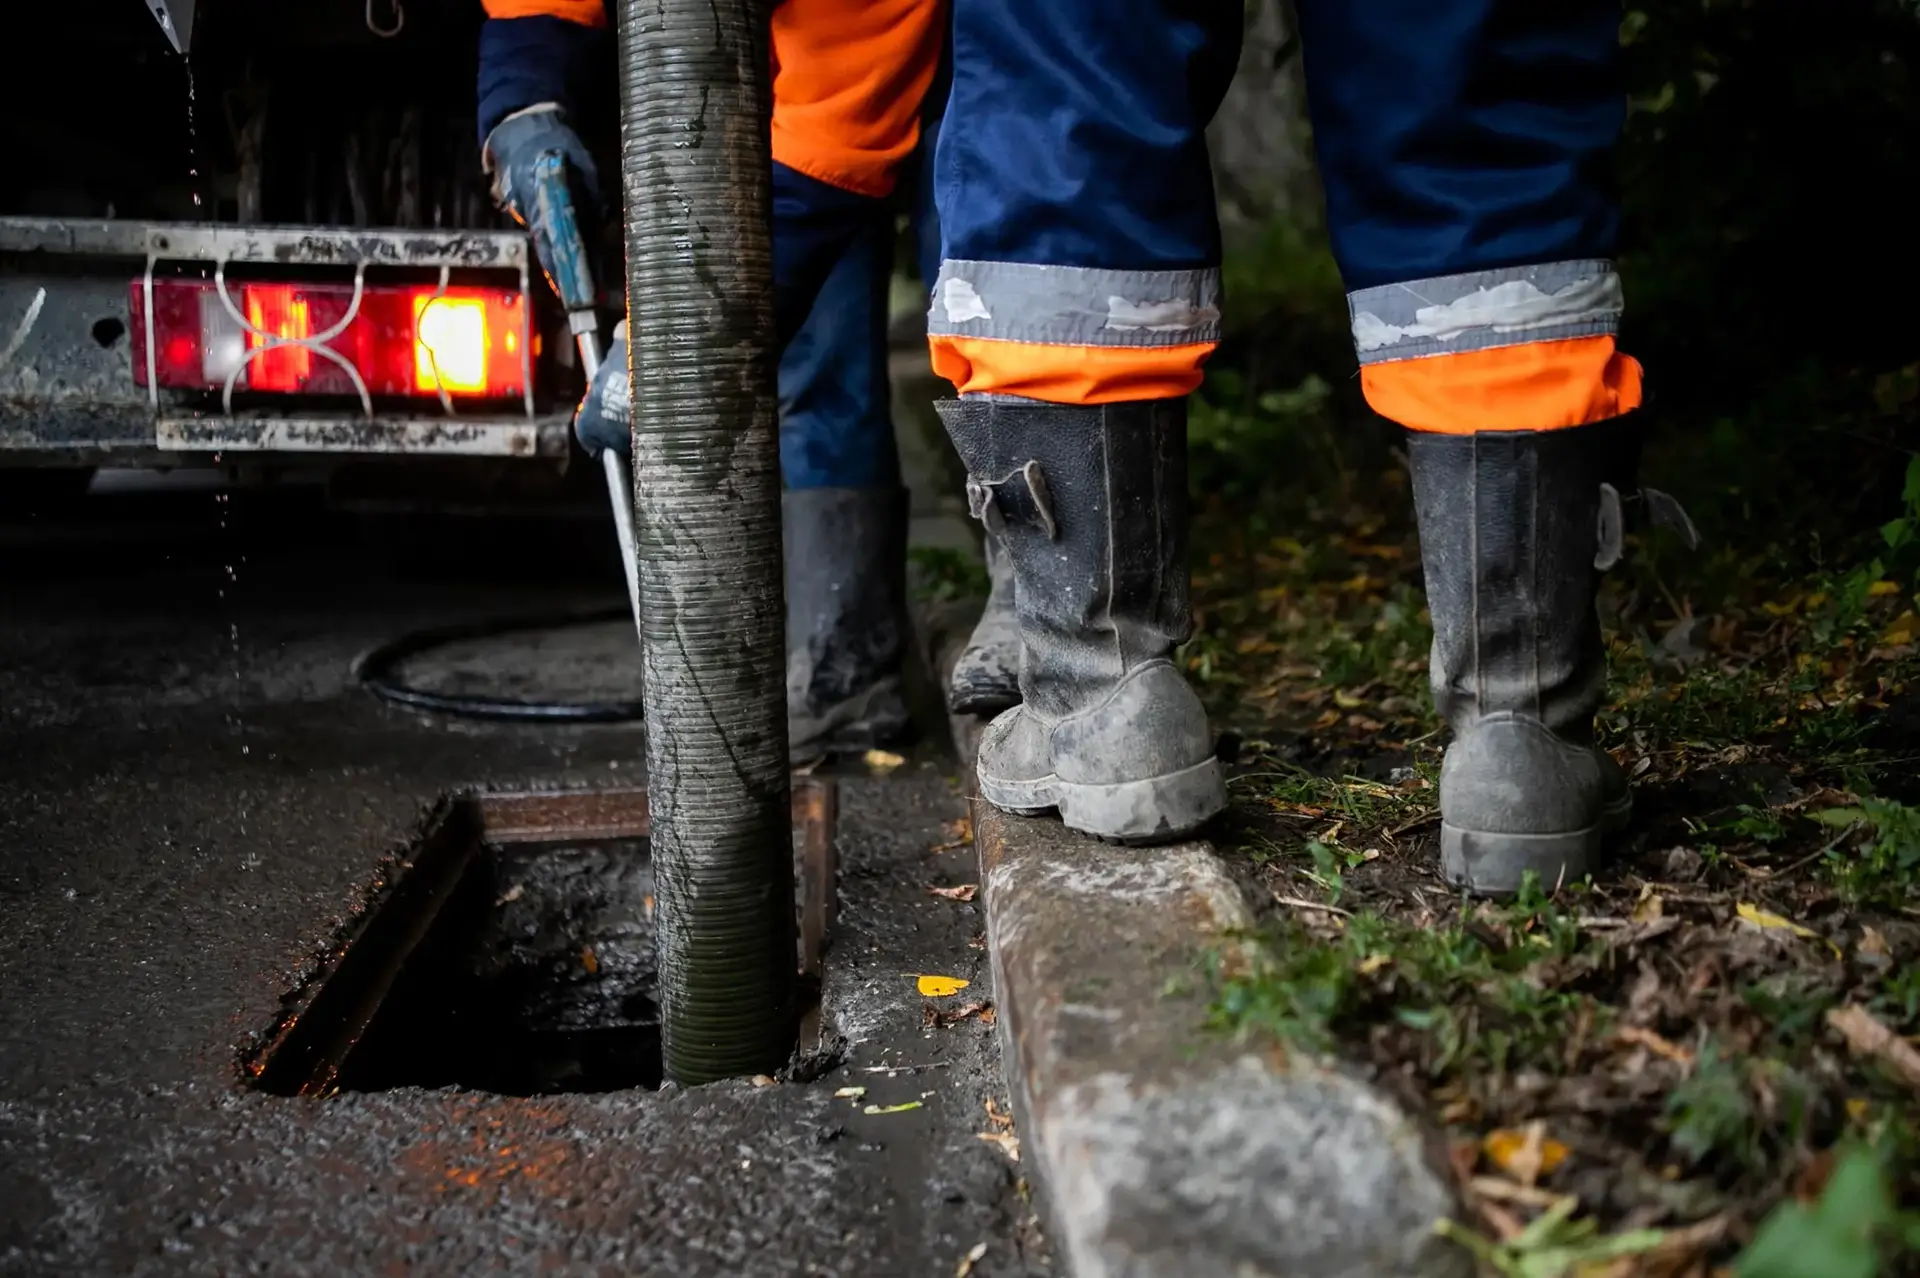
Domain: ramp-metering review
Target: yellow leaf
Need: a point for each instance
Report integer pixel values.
(1767, 919)
(1902, 630)
(941, 986)
(1347, 701)
(1856, 1109)
(1373, 963)
(1881, 589)
(883, 761)
(850, 1093)
(1511, 1149)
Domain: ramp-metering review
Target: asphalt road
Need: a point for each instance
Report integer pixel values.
(193, 793)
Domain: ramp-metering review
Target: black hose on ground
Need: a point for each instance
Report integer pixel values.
(697, 179)
(378, 673)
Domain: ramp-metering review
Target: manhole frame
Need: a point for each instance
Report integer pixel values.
(324, 1020)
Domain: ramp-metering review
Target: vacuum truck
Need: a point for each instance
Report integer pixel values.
(254, 235)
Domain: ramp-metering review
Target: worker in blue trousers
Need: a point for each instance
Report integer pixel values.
(1465, 148)
(845, 509)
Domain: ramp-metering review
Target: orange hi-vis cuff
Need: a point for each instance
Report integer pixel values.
(849, 78)
(587, 13)
(1525, 348)
(1072, 334)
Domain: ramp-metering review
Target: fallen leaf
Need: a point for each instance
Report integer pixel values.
(941, 986)
(934, 1018)
(1373, 963)
(1760, 918)
(1873, 946)
(883, 761)
(1508, 1192)
(1525, 1154)
(1649, 908)
(891, 1109)
(965, 892)
(1008, 1145)
(1857, 1108)
(998, 1117)
(1901, 632)
(1813, 1178)
(850, 1093)
(1867, 1036)
(1659, 1046)
(959, 835)
(764, 1080)
(1882, 589)
(967, 1261)
(987, 1016)
(513, 893)
(588, 961)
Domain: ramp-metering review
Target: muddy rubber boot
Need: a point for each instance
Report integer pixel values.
(1091, 507)
(1515, 529)
(847, 626)
(986, 678)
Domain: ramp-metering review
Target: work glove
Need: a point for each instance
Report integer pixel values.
(508, 157)
(601, 421)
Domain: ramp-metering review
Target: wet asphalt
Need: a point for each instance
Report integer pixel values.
(194, 794)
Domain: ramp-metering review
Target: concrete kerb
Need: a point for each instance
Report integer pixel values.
(1157, 1148)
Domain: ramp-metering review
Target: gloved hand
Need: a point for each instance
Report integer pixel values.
(601, 421)
(509, 156)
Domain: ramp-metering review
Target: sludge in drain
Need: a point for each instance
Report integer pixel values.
(536, 977)
(511, 952)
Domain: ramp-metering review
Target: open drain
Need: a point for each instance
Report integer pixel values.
(511, 952)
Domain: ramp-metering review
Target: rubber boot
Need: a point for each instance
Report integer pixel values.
(1090, 504)
(847, 626)
(986, 678)
(1515, 529)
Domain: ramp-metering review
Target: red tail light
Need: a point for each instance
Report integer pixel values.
(312, 339)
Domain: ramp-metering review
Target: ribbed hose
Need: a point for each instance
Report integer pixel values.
(696, 175)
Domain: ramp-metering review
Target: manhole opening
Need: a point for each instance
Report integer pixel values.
(511, 950)
(537, 977)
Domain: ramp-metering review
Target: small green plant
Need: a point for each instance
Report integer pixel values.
(1884, 866)
(1712, 1111)
(1848, 1232)
(1554, 1245)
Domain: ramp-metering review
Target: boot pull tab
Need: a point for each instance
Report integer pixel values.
(1661, 510)
(1665, 511)
(1611, 535)
(1021, 497)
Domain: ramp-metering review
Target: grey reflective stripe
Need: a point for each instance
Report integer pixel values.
(1074, 305)
(1472, 312)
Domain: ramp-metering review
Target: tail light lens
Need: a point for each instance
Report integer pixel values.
(399, 341)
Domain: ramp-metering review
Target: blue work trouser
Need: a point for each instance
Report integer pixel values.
(836, 421)
(1465, 148)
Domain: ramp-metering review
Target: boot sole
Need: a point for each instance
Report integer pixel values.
(1158, 809)
(983, 697)
(1488, 864)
